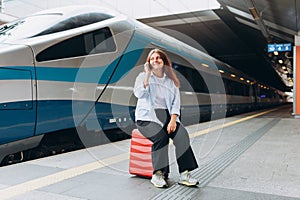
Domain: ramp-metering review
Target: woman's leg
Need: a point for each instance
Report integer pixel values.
(160, 139)
(185, 157)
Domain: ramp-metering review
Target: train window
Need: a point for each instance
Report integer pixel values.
(75, 22)
(184, 78)
(102, 42)
(214, 83)
(236, 88)
(99, 41)
(247, 90)
(190, 79)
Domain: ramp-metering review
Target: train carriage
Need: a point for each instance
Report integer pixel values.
(75, 67)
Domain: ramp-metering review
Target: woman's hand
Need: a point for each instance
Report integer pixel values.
(172, 124)
(147, 68)
(148, 73)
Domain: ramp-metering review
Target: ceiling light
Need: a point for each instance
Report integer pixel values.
(239, 12)
(280, 61)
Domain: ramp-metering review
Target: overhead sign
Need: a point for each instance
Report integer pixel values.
(279, 47)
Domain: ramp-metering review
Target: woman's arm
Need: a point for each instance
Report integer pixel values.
(147, 71)
(175, 101)
(175, 109)
(142, 82)
(139, 90)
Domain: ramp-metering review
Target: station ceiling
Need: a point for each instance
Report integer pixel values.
(235, 36)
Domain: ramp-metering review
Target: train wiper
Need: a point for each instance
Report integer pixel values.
(7, 27)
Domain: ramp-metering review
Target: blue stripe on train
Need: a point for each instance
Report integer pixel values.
(68, 114)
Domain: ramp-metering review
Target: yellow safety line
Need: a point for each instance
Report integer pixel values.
(35, 184)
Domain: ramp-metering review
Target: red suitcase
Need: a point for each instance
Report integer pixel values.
(140, 162)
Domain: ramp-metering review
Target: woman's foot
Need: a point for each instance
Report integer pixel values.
(158, 180)
(186, 179)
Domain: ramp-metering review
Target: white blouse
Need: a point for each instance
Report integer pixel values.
(147, 97)
(159, 102)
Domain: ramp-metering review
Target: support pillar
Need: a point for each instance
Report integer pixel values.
(296, 88)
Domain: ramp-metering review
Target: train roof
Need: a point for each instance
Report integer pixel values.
(53, 20)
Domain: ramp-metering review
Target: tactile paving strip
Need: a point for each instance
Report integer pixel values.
(208, 171)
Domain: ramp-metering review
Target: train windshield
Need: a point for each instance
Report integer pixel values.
(43, 24)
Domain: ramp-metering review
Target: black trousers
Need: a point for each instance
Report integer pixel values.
(160, 138)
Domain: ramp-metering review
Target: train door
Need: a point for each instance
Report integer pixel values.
(17, 94)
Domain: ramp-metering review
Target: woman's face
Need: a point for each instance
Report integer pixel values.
(156, 61)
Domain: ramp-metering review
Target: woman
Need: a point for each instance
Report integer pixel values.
(157, 118)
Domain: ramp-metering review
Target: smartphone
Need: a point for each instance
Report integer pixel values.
(149, 65)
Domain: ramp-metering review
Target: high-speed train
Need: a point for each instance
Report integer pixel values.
(74, 68)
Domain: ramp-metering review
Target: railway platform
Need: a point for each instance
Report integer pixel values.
(248, 156)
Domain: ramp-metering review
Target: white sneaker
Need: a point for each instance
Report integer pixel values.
(186, 179)
(158, 180)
